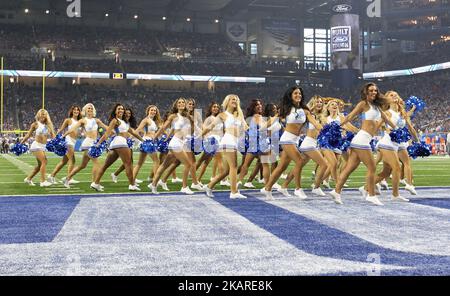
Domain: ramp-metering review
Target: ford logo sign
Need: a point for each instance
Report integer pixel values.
(342, 8)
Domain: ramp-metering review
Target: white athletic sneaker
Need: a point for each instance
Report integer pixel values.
(326, 184)
(261, 181)
(403, 181)
(411, 189)
(374, 200)
(208, 191)
(67, 184)
(363, 191)
(249, 185)
(237, 195)
(225, 183)
(29, 182)
(133, 188)
(284, 176)
(197, 186)
(138, 181)
(268, 194)
(336, 197)
(299, 193)
(45, 184)
(152, 188)
(96, 187)
(318, 191)
(163, 185)
(176, 180)
(284, 191)
(73, 181)
(345, 185)
(399, 198)
(114, 178)
(378, 189)
(186, 190)
(51, 179)
(276, 186)
(384, 185)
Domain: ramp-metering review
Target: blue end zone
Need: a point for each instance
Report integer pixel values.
(319, 239)
(33, 219)
(443, 203)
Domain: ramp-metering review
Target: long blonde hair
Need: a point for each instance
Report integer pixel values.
(48, 121)
(400, 103)
(312, 105)
(238, 111)
(326, 111)
(157, 118)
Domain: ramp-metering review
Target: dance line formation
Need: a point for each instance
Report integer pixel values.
(271, 134)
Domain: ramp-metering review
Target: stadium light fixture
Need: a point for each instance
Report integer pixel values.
(27, 10)
(216, 21)
(164, 18)
(188, 19)
(47, 11)
(106, 14)
(136, 16)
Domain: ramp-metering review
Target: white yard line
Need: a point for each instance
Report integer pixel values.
(23, 166)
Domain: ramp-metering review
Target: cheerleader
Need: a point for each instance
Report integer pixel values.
(331, 114)
(258, 127)
(90, 125)
(389, 149)
(371, 101)
(309, 149)
(128, 117)
(234, 126)
(118, 147)
(43, 129)
(74, 117)
(181, 123)
(150, 125)
(217, 134)
(296, 114)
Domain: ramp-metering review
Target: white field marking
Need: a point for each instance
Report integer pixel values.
(23, 166)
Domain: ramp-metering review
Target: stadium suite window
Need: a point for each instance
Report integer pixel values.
(253, 48)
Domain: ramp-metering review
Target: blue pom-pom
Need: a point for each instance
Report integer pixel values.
(95, 152)
(300, 141)
(148, 146)
(163, 144)
(130, 142)
(57, 145)
(419, 149)
(243, 144)
(415, 101)
(400, 135)
(330, 136)
(347, 141)
(373, 145)
(210, 145)
(19, 149)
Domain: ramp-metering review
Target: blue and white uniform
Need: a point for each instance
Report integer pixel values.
(296, 116)
(362, 138)
(91, 125)
(119, 141)
(177, 144)
(69, 140)
(42, 129)
(152, 127)
(229, 141)
(386, 142)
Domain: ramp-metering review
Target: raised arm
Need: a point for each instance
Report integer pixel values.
(74, 127)
(313, 120)
(355, 112)
(30, 132)
(349, 126)
(101, 124)
(141, 125)
(63, 126)
(387, 119)
(411, 129)
(410, 112)
(114, 123)
(165, 126)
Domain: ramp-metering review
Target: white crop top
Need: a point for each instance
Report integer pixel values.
(217, 127)
(91, 124)
(73, 121)
(297, 116)
(397, 119)
(152, 127)
(41, 129)
(179, 122)
(231, 121)
(372, 114)
(123, 127)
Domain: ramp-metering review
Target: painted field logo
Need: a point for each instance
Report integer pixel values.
(342, 8)
(74, 8)
(374, 8)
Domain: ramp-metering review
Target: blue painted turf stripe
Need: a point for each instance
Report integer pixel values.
(33, 220)
(321, 240)
(443, 203)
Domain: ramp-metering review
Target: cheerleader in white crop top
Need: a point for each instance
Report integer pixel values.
(74, 117)
(43, 130)
(148, 126)
(181, 123)
(216, 133)
(90, 125)
(118, 147)
(360, 145)
(389, 149)
(234, 127)
(296, 114)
